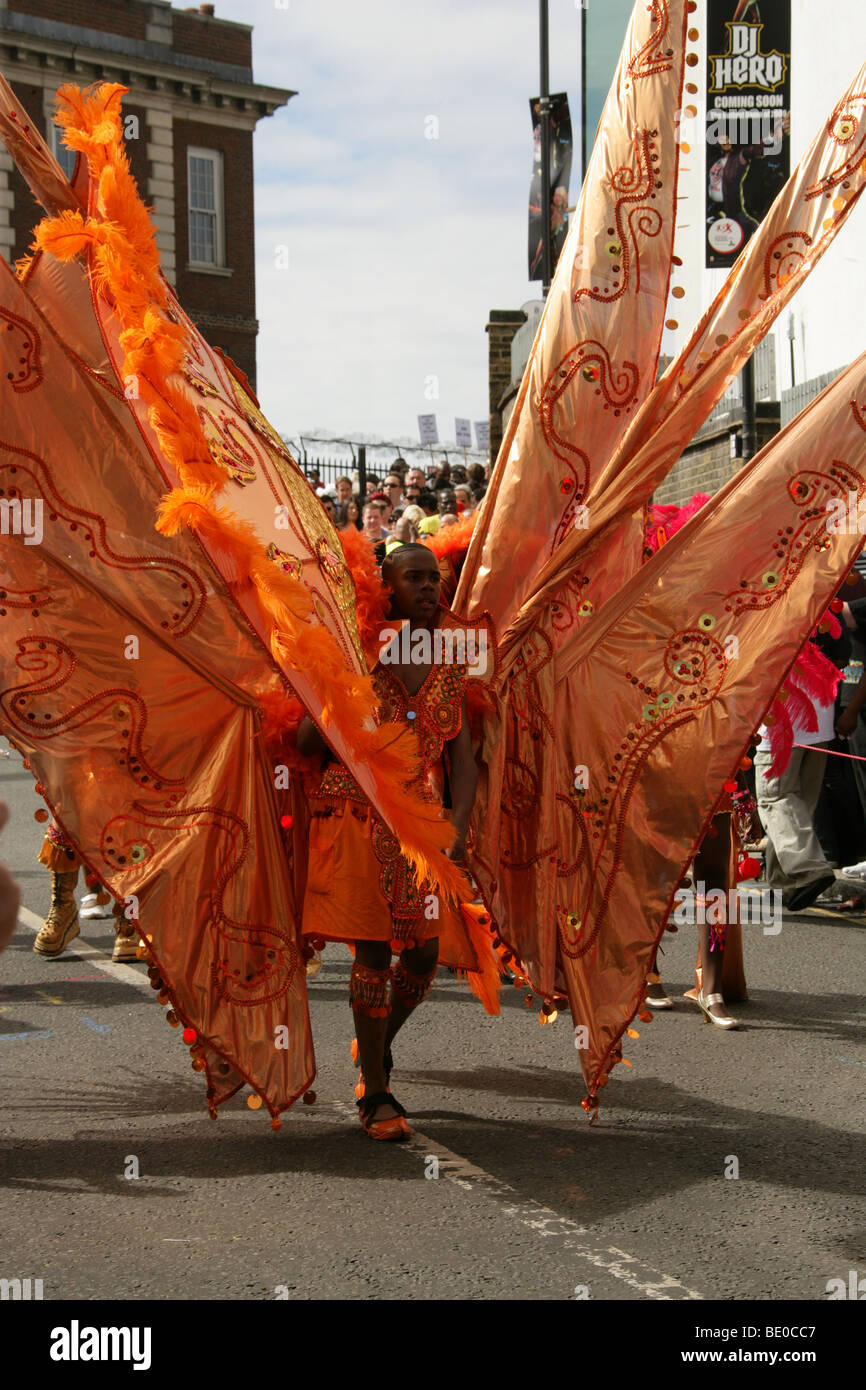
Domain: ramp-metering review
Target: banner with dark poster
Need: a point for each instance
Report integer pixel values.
(560, 174)
(748, 119)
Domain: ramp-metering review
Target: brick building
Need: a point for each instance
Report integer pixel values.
(501, 329)
(188, 121)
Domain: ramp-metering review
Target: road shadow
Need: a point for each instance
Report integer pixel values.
(103, 992)
(654, 1140)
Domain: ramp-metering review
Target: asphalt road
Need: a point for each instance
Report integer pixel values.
(530, 1201)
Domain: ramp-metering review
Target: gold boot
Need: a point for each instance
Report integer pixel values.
(125, 936)
(61, 925)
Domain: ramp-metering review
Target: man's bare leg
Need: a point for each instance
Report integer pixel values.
(369, 997)
(411, 981)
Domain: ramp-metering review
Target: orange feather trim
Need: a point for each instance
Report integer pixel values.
(371, 596)
(486, 982)
(125, 266)
(282, 716)
(452, 540)
(66, 235)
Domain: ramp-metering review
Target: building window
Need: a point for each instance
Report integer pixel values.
(206, 221)
(62, 153)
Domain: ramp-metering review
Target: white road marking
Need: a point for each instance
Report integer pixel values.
(646, 1280)
(650, 1282)
(124, 973)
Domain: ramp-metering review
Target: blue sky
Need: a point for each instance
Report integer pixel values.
(398, 245)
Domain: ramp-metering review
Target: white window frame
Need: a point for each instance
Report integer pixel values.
(216, 159)
(60, 151)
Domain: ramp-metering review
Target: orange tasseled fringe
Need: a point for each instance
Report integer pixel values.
(124, 263)
(56, 859)
(486, 982)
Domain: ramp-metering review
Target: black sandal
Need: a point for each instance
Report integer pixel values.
(395, 1129)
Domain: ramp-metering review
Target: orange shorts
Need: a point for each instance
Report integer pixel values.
(345, 900)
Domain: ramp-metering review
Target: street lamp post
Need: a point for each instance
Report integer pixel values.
(583, 91)
(544, 111)
(750, 432)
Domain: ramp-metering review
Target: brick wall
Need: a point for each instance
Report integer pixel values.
(206, 37)
(222, 305)
(706, 465)
(127, 17)
(210, 299)
(501, 329)
(136, 149)
(235, 295)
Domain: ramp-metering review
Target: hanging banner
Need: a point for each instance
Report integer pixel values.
(560, 173)
(748, 119)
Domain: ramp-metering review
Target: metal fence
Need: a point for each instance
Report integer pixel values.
(328, 469)
(796, 398)
(380, 460)
(765, 381)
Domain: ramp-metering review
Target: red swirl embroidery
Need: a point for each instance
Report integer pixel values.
(782, 261)
(847, 127)
(51, 665)
(633, 185)
(810, 490)
(519, 789)
(652, 58)
(618, 390)
(229, 446)
(190, 597)
(22, 352)
(255, 963)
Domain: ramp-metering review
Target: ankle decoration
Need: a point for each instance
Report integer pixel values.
(718, 935)
(408, 988)
(368, 991)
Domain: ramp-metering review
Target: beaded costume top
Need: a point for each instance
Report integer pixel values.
(433, 714)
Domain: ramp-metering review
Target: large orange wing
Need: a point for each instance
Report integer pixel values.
(187, 578)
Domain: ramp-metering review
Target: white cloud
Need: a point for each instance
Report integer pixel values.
(398, 245)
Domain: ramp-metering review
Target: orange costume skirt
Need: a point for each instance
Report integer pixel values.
(361, 888)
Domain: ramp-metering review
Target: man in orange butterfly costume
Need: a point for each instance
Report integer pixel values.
(360, 888)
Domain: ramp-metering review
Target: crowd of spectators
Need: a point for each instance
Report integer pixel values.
(406, 504)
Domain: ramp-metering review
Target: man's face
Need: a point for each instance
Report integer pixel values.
(330, 508)
(412, 494)
(344, 490)
(394, 488)
(372, 520)
(446, 501)
(415, 478)
(413, 577)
